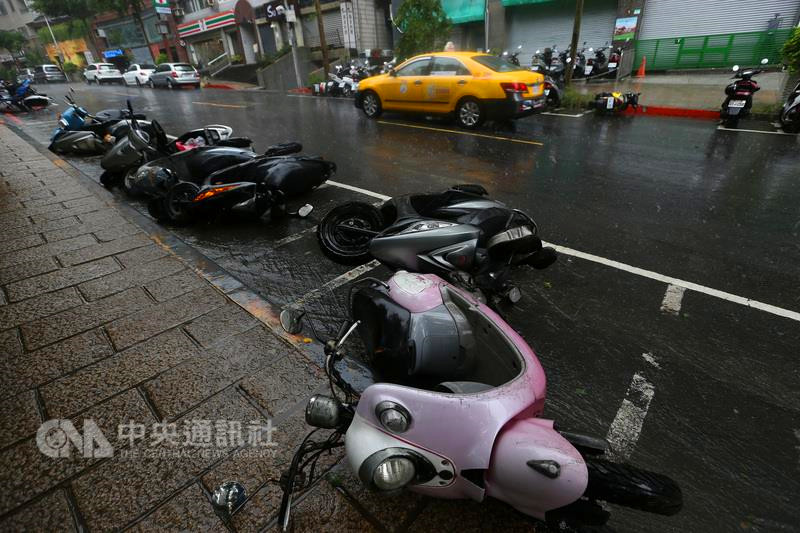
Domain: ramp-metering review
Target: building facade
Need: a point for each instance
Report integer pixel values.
(671, 34)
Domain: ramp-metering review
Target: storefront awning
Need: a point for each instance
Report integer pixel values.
(219, 20)
(460, 11)
(508, 3)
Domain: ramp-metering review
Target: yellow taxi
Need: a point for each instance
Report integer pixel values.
(471, 86)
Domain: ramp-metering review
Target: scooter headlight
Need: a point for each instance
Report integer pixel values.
(393, 416)
(63, 123)
(427, 226)
(394, 473)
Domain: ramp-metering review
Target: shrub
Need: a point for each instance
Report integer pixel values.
(236, 58)
(572, 99)
(162, 58)
(70, 67)
(791, 51)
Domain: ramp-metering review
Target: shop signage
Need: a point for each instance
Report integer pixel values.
(162, 7)
(213, 22)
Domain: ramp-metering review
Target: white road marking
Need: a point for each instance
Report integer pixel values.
(721, 128)
(333, 284)
(672, 299)
(627, 425)
(294, 237)
(579, 115)
(359, 189)
(651, 359)
(741, 300)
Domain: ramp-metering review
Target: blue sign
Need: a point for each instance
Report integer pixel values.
(108, 54)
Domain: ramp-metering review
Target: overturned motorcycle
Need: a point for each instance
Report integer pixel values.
(459, 234)
(615, 102)
(122, 161)
(23, 97)
(81, 133)
(214, 180)
(455, 412)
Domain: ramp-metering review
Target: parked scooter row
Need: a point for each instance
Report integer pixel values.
(202, 174)
(343, 80)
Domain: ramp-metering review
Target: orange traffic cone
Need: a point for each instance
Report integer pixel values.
(640, 73)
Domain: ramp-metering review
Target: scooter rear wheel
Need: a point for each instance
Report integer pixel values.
(629, 486)
(345, 233)
(176, 199)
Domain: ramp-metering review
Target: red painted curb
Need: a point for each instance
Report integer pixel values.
(301, 90)
(219, 86)
(673, 112)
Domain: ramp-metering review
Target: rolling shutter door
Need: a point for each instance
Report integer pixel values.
(538, 26)
(332, 20)
(679, 18)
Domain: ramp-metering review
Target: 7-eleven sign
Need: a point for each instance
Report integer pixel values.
(162, 6)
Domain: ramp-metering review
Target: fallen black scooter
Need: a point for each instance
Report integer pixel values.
(121, 162)
(212, 180)
(459, 234)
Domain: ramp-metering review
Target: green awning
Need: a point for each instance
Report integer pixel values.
(460, 11)
(508, 3)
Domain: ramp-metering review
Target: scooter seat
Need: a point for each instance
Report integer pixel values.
(513, 241)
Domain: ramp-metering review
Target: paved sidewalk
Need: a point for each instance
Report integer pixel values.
(688, 90)
(101, 324)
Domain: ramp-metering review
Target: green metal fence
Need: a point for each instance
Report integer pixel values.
(712, 51)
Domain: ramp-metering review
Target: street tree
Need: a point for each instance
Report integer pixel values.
(424, 26)
(83, 10)
(11, 40)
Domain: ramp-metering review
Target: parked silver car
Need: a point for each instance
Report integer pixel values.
(48, 74)
(173, 75)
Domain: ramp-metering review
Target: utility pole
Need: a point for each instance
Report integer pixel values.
(291, 20)
(576, 33)
(322, 42)
(55, 42)
(486, 26)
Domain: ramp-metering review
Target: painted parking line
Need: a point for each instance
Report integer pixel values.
(333, 284)
(669, 280)
(579, 115)
(721, 128)
(294, 237)
(214, 104)
(457, 132)
(623, 434)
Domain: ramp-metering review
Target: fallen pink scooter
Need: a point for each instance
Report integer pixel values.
(456, 413)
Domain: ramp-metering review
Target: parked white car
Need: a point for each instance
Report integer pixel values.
(100, 73)
(138, 73)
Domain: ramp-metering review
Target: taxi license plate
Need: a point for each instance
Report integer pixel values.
(737, 103)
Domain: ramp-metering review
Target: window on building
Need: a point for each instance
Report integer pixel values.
(190, 6)
(3, 10)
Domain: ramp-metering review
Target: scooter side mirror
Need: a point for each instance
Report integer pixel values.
(764, 61)
(292, 321)
(304, 211)
(735, 68)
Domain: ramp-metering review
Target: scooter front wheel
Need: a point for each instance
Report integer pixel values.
(345, 233)
(632, 487)
(177, 199)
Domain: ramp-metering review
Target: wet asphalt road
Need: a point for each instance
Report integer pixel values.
(675, 196)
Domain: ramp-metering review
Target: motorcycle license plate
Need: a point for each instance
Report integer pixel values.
(341, 85)
(587, 70)
(546, 92)
(610, 102)
(737, 103)
(612, 65)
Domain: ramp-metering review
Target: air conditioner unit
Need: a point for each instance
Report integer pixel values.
(101, 33)
(178, 12)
